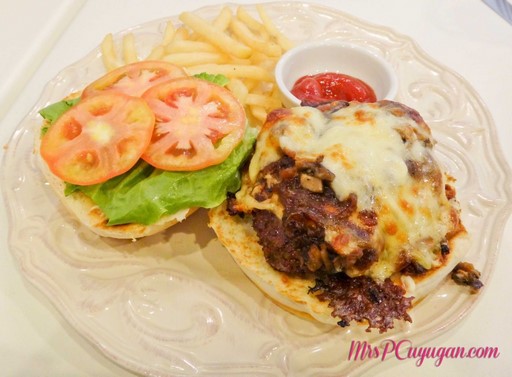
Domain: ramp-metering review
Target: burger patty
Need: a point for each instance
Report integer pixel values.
(295, 243)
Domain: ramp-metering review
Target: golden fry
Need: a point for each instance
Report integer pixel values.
(129, 51)
(108, 53)
(262, 100)
(234, 70)
(157, 53)
(186, 59)
(246, 36)
(218, 38)
(169, 33)
(239, 89)
(223, 19)
(284, 42)
(251, 22)
(189, 46)
(259, 113)
(182, 34)
(250, 84)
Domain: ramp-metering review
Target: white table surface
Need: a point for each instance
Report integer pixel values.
(38, 39)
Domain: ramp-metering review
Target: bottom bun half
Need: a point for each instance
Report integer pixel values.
(92, 217)
(292, 293)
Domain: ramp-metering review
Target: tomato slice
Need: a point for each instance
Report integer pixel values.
(197, 124)
(135, 78)
(98, 138)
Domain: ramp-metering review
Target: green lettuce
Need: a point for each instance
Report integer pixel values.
(52, 112)
(218, 79)
(145, 194)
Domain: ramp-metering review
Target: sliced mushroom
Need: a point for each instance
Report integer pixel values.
(311, 183)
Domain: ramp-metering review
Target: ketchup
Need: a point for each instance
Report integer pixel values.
(330, 86)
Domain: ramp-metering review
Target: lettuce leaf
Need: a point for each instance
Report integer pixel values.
(218, 79)
(52, 112)
(55, 110)
(145, 194)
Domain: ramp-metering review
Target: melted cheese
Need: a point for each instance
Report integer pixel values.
(361, 145)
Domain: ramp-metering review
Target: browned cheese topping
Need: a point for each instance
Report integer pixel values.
(351, 196)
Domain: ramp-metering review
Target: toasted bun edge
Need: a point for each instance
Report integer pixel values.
(238, 237)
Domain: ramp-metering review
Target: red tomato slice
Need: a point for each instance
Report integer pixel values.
(197, 124)
(134, 79)
(98, 138)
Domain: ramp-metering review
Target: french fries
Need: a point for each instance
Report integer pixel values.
(218, 38)
(108, 53)
(241, 71)
(186, 59)
(129, 51)
(223, 19)
(242, 46)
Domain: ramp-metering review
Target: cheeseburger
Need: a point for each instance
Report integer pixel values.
(344, 213)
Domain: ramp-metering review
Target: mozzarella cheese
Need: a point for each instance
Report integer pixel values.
(384, 156)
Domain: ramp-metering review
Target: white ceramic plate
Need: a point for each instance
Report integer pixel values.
(175, 303)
